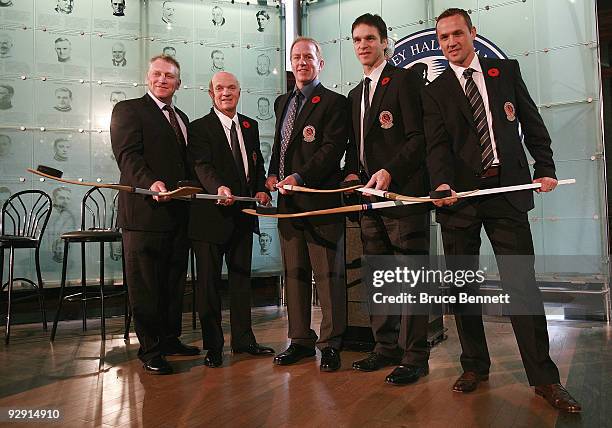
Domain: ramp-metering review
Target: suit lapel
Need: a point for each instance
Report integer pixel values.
(309, 106)
(248, 145)
(492, 84)
(356, 110)
(456, 93)
(379, 94)
(159, 115)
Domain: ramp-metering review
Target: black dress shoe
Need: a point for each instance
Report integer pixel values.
(254, 349)
(330, 359)
(214, 358)
(180, 348)
(293, 354)
(558, 397)
(157, 366)
(405, 375)
(375, 361)
(468, 381)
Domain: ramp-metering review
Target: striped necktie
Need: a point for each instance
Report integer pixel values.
(287, 130)
(480, 119)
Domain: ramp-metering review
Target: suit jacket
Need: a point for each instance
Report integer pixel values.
(453, 146)
(212, 162)
(400, 149)
(145, 146)
(317, 162)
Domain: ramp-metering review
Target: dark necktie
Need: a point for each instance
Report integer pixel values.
(287, 130)
(180, 138)
(237, 154)
(366, 110)
(480, 119)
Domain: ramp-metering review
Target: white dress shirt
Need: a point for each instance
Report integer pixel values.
(227, 127)
(482, 88)
(161, 106)
(375, 77)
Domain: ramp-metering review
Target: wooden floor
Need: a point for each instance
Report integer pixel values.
(251, 392)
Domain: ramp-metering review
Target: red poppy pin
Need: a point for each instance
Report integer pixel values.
(315, 99)
(385, 81)
(493, 72)
(246, 124)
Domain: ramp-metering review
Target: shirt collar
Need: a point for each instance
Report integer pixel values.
(375, 74)
(308, 89)
(475, 64)
(159, 103)
(226, 121)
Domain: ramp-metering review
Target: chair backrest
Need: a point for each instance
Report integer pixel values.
(26, 213)
(99, 209)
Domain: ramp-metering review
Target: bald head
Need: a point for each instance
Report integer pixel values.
(224, 90)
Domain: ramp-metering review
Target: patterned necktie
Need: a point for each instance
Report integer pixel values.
(480, 119)
(180, 138)
(287, 130)
(237, 154)
(366, 110)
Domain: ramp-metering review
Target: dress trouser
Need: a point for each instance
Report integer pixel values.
(156, 268)
(308, 249)
(510, 235)
(398, 336)
(209, 256)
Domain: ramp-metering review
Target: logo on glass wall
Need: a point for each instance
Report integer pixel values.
(421, 52)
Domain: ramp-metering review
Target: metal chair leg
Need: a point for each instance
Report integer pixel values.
(83, 287)
(102, 315)
(127, 315)
(62, 287)
(10, 289)
(41, 294)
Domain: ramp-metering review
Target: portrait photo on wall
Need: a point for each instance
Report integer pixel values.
(212, 59)
(117, 60)
(66, 151)
(103, 162)
(260, 26)
(260, 68)
(116, 16)
(266, 252)
(171, 17)
(15, 153)
(17, 12)
(16, 101)
(65, 217)
(219, 21)
(63, 104)
(64, 14)
(60, 55)
(16, 55)
(105, 97)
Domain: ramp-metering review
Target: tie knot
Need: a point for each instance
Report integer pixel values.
(468, 73)
(167, 107)
(367, 81)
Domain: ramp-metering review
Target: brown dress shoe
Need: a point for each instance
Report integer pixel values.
(468, 381)
(558, 397)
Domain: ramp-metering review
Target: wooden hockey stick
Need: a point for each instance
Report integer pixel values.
(398, 203)
(55, 174)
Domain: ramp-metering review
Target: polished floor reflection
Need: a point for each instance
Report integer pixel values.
(251, 392)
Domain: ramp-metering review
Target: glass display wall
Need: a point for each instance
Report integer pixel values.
(556, 45)
(64, 64)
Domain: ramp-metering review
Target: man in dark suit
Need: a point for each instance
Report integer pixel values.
(472, 113)
(225, 155)
(148, 136)
(310, 139)
(387, 151)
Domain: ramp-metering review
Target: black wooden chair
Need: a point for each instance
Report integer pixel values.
(98, 225)
(24, 219)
